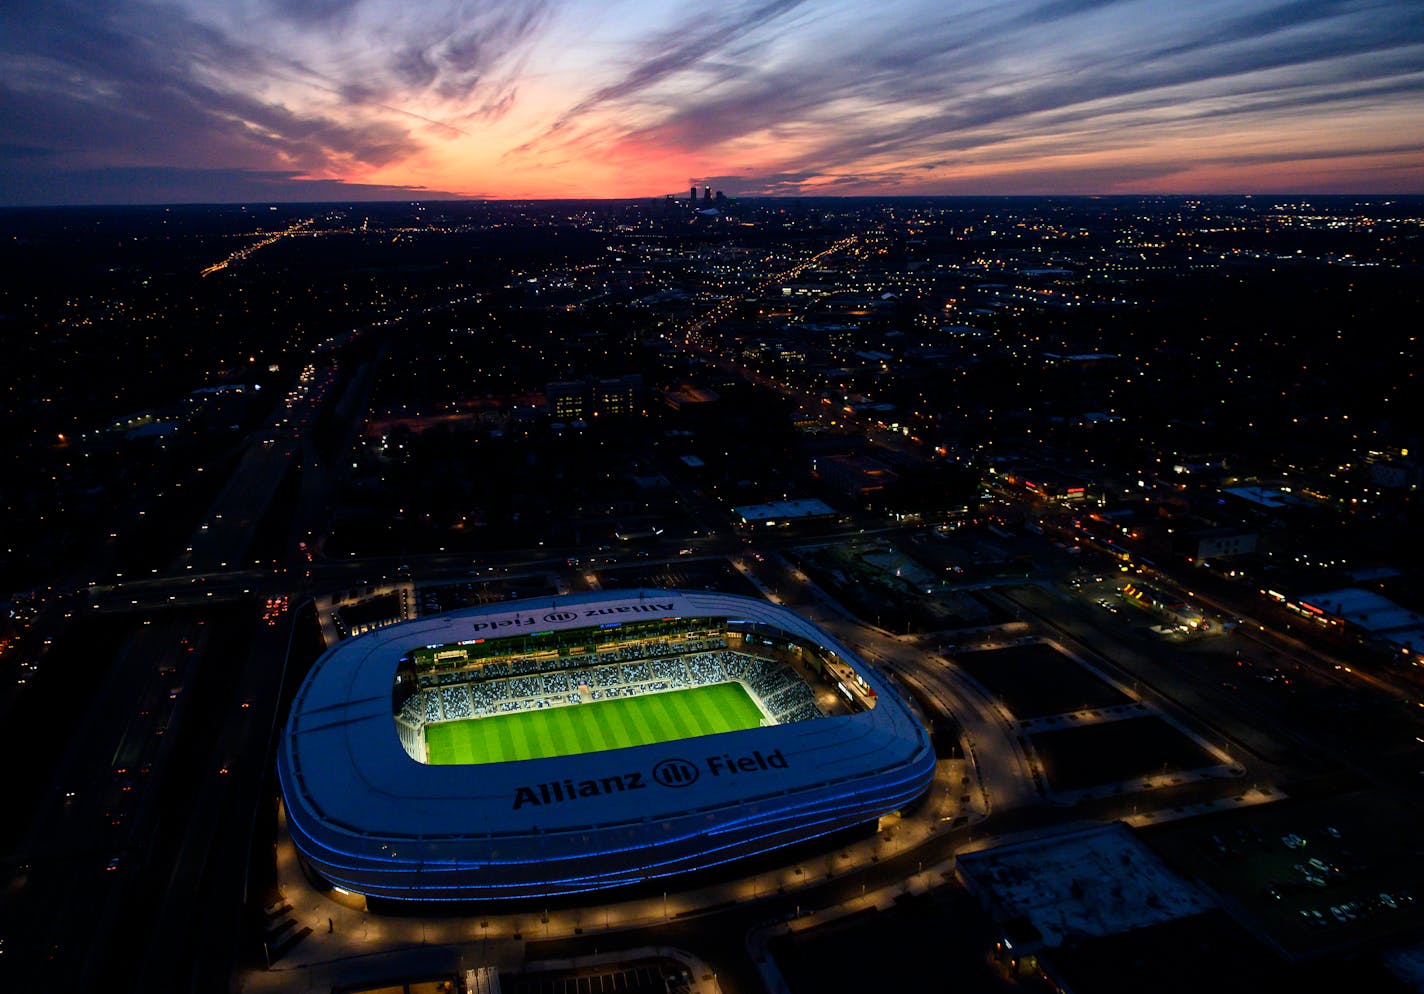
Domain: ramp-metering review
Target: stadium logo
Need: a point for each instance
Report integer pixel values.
(556, 791)
(675, 773)
(516, 622)
(628, 609)
(559, 617)
(755, 763)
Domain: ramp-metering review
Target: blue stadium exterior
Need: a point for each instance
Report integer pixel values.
(369, 819)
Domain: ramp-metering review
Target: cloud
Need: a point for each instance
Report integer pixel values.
(1043, 78)
(166, 185)
(669, 54)
(133, 83)
(777, 95)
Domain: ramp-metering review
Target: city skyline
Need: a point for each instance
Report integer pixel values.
(195, 102)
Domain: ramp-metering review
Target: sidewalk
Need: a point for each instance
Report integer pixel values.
(345, 943)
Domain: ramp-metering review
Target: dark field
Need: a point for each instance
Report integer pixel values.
(1092, 755)
(1037, 680)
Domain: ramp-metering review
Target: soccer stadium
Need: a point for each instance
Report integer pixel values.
(538, 748)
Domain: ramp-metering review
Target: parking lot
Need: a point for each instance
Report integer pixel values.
(1314, 873)
(679, 573)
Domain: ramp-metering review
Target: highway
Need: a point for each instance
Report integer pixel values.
(89, 844)
(116, 821)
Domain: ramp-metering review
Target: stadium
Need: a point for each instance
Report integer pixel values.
(540, 748)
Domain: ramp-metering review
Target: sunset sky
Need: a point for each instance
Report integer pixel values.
(126, 101)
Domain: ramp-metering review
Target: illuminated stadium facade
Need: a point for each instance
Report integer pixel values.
(404, 772)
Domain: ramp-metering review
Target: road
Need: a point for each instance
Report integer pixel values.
(198, 927)
(85, 851)
(116, 822)
(1260, 725)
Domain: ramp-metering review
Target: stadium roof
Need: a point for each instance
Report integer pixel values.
(347, 768)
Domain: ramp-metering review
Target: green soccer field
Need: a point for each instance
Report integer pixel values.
(593, 727)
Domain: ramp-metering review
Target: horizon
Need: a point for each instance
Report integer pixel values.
(663, 198)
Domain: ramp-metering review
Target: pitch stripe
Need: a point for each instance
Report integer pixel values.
(511, 738)
(709, 712)
(672, 717)
(545, 733)
(619, 727)
(655, 714)
(525, 735)
(689, 718)
(724, 712)
(595, 734)
(676, 713)
(645, 730)
(575, 733)
(648, 718)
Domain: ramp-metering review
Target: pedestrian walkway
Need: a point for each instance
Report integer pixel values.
(1091, 716)
(1252, 797)
(339, 935)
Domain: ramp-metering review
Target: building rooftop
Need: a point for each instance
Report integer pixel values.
(1262, 496)
(1365, 609)
(1096, 882)
(778, 509)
